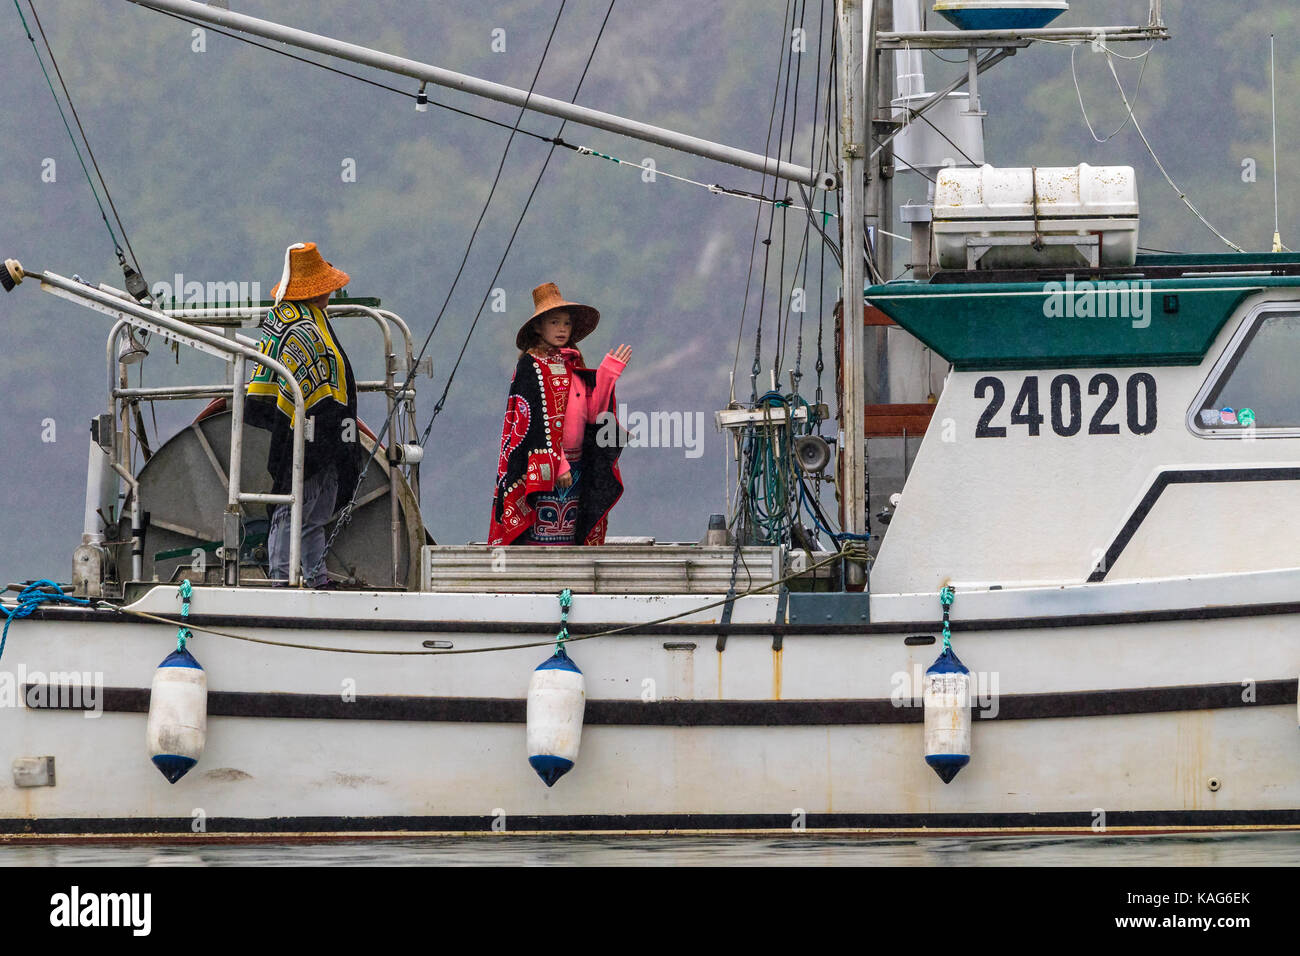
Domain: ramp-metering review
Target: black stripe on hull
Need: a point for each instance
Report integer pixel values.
(761, 629)
(1191, 476)
(311, 828)
(683, 713)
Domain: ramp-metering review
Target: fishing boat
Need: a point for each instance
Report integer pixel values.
(1078, 616)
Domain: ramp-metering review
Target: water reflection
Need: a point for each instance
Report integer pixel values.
(807, 849)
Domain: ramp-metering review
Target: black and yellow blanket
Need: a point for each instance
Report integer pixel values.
(301, 338)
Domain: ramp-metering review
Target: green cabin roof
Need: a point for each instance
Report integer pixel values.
(1165, 310)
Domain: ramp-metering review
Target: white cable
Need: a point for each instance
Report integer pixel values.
(714, 188)
(1159, 165)
(1110, 54)
(1079, 93)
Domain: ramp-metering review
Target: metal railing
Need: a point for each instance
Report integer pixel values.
(394, 394)
(127, 311)
(238, 350)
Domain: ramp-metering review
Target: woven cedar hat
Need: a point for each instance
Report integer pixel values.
(547, 298)
(306, 275)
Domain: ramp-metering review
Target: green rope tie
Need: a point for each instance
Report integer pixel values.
(566, 602)
(183, 633)
(945, 598)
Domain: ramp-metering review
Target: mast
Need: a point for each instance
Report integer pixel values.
(856, 92)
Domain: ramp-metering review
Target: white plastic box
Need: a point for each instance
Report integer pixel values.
(989, 218)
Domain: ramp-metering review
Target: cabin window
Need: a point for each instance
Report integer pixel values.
(1255, 384)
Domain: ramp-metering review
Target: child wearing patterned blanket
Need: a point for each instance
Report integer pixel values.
(556, 478)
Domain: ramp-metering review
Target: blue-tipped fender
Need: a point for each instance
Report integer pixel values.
(557, 697)
(178, 714)
(947, 715)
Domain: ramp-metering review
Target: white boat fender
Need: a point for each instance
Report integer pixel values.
(178, 706)
(947, 707)
(557, 697)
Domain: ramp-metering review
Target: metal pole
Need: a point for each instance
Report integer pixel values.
(137, 523)
(408, 404)
(880, 182)
(856, 93)
(931, 39)
(390, 391)
(234, 524)
(493, 91)
(879, 198)
(915, 112)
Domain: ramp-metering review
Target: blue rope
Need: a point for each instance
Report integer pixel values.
(183, 633)
(566, 602)
(29, 599)
(945, 598)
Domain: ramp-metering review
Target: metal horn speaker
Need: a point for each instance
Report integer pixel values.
(813, 452)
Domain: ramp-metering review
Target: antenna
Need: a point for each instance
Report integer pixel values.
(1272, 82)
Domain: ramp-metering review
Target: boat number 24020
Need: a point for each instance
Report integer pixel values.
(1067, 408)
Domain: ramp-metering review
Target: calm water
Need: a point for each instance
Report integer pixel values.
(1247, 849)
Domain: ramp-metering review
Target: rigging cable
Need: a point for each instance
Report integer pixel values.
(117, 247)
(812, 158)
(715, 188)
(757, 366)
(782, 328)
(437, 408)
(1136, 91)
(771, 223)
(333, 69)
(1110, 62)
(753, 245)
(345, 514)
(1159, 165)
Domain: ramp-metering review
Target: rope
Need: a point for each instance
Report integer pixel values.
(847, 552)
(183, 633)
(566, 602)
(945, 598)
(29, 599)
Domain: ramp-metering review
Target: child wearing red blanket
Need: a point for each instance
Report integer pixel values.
(557, 473)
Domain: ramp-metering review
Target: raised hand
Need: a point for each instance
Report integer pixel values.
(623, 353)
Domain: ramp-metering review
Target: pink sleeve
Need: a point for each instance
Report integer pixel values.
(606, 376)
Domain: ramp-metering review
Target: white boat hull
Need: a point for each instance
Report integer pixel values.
(1143, 724)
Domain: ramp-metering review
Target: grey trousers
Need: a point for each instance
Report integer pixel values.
(318, 494)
